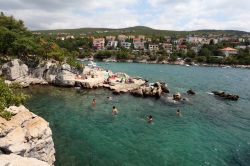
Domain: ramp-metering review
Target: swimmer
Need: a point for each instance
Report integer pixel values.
(178, 112)
(109, 98)
(93, 102)
(150, 118)
(114, 111)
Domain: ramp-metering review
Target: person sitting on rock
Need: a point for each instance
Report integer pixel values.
(114, 111)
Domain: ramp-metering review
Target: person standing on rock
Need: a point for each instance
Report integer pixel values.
(93, 102)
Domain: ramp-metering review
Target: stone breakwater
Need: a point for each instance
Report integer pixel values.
(26, 139)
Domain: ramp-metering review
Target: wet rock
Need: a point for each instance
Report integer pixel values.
(190, 92)
(226, 96)
(177, 97)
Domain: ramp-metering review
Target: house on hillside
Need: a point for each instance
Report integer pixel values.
(229, 51)
(182, 48)
(110, 38)
(138, 43)
(99, 43)
(153, 47)
(126, 45)
(142, 37)
(122, 38)
(112, 44)
(167, 47)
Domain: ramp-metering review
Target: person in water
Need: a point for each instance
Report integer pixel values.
(94, 102)
(109, 98)
(114, 111)
(178, 112)
(150, 119)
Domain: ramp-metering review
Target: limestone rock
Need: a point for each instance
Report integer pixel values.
(14, 69)
(27, 135)
(16, 160)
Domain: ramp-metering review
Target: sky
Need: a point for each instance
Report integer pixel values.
(158, 14)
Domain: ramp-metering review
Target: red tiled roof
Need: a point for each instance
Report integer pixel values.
(228, 49)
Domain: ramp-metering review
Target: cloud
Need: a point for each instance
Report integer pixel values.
(161, 14)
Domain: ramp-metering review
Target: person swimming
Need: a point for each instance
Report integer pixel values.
(114, 111)
(109, 98)
(93, 102)
(150, 119)
(178, 112)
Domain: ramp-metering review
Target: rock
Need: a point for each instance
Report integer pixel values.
(14, 69)
(177, 97)
(137, 92)
(16, 160)
(164, 88)
(27, 135)
(227, 96)
(65, 78)
(190, 92)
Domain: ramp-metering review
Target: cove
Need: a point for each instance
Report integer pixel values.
(210, 132)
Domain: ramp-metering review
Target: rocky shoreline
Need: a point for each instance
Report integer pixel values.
(26, 139)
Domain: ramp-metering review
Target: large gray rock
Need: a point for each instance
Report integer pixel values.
(27, 135)
(14, 69)
(16, 160)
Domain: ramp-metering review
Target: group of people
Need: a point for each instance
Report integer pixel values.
(115, 111)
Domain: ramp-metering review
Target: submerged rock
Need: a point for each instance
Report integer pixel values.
(27, 135)
(224, 95)
(190, 92)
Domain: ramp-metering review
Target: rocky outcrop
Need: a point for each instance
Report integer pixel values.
(26, 135)
(14, 69)
(226, 96)
(151, 90)
(16, 160)
(190, 92)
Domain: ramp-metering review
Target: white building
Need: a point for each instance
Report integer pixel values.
(112, 44)
(153, 47)
(126, 45)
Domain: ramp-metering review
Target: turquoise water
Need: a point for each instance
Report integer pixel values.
(210, 132)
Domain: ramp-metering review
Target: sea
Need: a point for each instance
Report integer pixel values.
(210, 131)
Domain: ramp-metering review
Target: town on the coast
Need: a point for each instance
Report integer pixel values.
(190, 48)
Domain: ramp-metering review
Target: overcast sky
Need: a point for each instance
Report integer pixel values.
(159, 14)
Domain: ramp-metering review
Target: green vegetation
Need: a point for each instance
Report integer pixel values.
(9, 95)
(137, 30)
(18, 42)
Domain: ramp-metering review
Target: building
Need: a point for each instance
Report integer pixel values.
(142, 37)
(131, 36)
(167, 47)
(153, 47)
(112, 44)
(138, 43)
(229, 51)
(99, 43)
(110, 38)
(126, 45)
(182, 48)
(122, 37)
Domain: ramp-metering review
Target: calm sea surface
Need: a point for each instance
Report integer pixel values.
(210, 132)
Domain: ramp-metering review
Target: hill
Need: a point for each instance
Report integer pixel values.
(137, 30)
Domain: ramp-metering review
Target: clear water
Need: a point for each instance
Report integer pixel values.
(210, 132)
